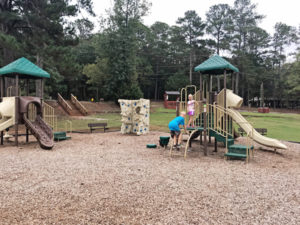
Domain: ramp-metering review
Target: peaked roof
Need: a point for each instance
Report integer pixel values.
(25, 67)
(215, 65)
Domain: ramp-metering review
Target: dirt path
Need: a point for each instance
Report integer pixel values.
(114, 179)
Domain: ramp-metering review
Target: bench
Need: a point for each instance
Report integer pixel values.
(262, 131)
(94, 126)
(60, 136)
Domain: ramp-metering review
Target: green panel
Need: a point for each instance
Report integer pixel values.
(25, 67)
(215, 65)
(164, 140)
(244, 147)
(235, 155)
(151, 146)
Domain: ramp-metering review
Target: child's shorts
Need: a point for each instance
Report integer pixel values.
(175, 132)
(191, 113)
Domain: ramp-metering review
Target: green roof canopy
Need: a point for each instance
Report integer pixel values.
(215, 65)
(23, 66)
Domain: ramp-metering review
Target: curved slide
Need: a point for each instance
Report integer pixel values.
(41, 131)
(257, 137)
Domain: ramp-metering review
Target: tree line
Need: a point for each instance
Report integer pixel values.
(127, 59)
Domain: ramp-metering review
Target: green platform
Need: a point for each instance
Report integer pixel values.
(60, 136)
(236, 155)
(238, 151)
(195, 128)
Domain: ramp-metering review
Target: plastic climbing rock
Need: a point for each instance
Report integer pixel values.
(135, 116)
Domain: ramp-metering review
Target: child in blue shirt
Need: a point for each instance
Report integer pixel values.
(175, 129)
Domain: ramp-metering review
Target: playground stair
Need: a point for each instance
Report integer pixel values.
(238, 151)
(222, 138)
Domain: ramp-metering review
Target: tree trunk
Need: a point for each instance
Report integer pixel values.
(262, 100)
(191, 68)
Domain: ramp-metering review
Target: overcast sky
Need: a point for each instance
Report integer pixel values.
(286, 11)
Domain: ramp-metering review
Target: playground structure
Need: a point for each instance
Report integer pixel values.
(216, 115)
(135, 116)
(16, 110)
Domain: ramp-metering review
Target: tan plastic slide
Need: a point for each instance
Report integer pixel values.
(257, 137)
(235, 101)
(7, 112)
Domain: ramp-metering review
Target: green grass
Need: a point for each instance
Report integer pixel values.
(282, 126)
(112, 119)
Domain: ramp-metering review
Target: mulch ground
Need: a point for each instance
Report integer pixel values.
(114, 179)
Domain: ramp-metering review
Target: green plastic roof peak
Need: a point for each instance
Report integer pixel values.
(215, 65)
(25, 67)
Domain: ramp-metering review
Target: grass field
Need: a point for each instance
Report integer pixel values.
(280, 126)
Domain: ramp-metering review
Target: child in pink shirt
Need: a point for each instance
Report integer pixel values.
(191, 110)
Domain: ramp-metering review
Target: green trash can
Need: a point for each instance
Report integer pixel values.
(164, 141)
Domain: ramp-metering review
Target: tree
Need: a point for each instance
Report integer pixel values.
(244, 20)
(121, 47)
(218, 19)
(284, 35)
(192, 27)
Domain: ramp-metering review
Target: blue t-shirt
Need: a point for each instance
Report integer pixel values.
(174, 124)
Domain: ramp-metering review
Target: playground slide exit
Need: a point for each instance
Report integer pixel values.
(7, 113)
(257, 137)
(235, 101)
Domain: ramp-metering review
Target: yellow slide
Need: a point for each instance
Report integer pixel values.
(257, 137)
(7, 112)
(235, 101)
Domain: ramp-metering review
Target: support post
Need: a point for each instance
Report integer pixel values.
(27, 87)
(216, 145)
(205, 131)
(237, 83)
(27, 135)
(177, 107)
(232, 82)
(2, 137)
(17, 119)
(42, 88)
(17, 85)
(2, 87)
(201, 89)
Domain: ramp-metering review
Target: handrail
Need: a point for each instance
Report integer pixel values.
(81, 108)
(68, 123)
(64, 104)
(49, 115)
(10, 89)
